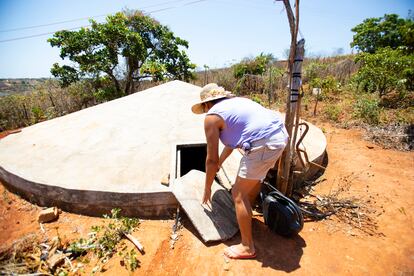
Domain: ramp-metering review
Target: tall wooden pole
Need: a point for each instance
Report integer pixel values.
(284, 176)
(295, 98)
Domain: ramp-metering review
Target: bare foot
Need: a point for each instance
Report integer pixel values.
(240, 252)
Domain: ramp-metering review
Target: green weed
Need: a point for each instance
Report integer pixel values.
(257, 99)
(367, 109)
(131, 260)
(332, 112)
(104, 239)
(6, 197)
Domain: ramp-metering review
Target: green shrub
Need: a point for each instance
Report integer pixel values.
(255, 66)
(327, 84)
(313, 70)
(105, 238)
(332, 112)
(106, 94)
(405, 116)
(13, 112)
(38, 114)
(367, 109)
(385, 71)
(256, 98)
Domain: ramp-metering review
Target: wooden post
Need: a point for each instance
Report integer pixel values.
(283, 176)
(292, 115)
(296, 86)
(270, 87)
(316, 100)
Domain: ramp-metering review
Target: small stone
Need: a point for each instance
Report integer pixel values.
(349, 258)
(95, 269)
(55, 260)
(48, 215)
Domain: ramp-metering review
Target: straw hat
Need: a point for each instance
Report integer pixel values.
(210, 92)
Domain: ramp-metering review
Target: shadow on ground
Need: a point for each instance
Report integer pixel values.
(273, 251)
(276, 251)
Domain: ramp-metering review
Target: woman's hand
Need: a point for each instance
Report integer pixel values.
(207, 195)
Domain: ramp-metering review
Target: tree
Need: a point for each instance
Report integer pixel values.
(253, 66)
(385, 70)
(388, 31)
(327, 84)
(314, 69)
(128, 47)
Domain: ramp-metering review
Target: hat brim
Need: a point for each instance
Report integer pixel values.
(198, 107)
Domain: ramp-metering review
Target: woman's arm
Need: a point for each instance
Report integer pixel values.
(212, 125)
(224, 154)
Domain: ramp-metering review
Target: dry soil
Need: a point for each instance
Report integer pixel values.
(384, 179)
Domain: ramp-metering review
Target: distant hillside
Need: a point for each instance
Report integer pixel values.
(18, 86)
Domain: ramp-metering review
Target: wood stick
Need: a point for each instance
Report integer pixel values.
(284, 175)
(135, 242)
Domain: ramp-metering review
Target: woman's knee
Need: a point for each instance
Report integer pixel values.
(236, 193)
(242, 188)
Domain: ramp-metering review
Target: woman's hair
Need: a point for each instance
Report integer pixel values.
(217, 100)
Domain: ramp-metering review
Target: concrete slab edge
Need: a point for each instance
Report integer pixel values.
(92, 203)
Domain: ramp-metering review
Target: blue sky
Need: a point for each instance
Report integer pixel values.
(219, 32)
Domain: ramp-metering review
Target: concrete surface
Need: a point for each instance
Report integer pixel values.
(113, 154)
(214, 222)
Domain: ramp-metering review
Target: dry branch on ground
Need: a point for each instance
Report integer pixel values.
(357, 212)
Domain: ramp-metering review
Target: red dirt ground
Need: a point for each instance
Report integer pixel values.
(385, 177)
